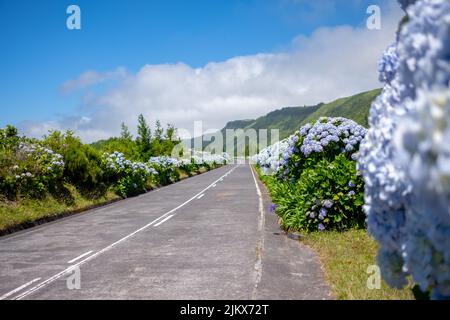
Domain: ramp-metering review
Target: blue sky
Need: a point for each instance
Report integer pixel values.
(39, 53)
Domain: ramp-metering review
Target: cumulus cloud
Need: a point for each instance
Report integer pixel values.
(331, 63)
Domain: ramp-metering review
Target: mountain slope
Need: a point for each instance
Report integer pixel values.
(355, 107)
(290, 119)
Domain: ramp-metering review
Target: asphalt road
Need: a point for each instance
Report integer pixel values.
(206, 237)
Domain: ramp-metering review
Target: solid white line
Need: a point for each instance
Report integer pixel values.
(62, 273)
(261, 206)
(200, 196)
(260, 245)
(6, 295)
(79, 257)
(164, 220)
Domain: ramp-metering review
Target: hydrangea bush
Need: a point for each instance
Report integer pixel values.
(327, 196)
(405, 157)
(167, 169)
(316, 185)
(32, 169)
(269, 158)
(326, 138)
(129, 177)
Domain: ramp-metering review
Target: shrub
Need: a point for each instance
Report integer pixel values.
(325, 139)
(166, 168)
(29, 169)
(316, 185)
(82, 162)
(327, 196)
(129, 178)
(189, 166)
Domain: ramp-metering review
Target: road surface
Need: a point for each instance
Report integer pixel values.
(206, 237)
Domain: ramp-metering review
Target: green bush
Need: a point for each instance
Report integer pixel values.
(28, 169)
(129, 178)
(82, 162)
(328, 195)
(316, 184)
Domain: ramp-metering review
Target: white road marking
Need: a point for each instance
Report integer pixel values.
(6, 295)
(201, 196)
(164, 220)
(214, 185)
(79, 257)
(260, 245)
(66, 271)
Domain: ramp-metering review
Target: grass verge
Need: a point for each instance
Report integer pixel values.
(25, 213)
(345, 257)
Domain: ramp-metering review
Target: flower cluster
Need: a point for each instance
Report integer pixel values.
(116, 161)
(164, 162)
(328, 130)
(269, 159)
(46, 159)
(319, 213)
(33, 169)
(405, 157)
(206, 158)
(326, 137)
(129, 177)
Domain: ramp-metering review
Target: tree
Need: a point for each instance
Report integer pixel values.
(170, 139)
(170, 132)
(158, 131)
(144, 137)
(125, 133)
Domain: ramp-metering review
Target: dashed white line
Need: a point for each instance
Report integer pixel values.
(6, 295)
(164, 220)
(201, 196)
(79, 257)
(66, 271)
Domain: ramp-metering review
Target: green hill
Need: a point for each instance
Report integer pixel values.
(355, 107)
(290, 119)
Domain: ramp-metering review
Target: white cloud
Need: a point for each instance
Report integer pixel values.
(331, 63)
(91, 77)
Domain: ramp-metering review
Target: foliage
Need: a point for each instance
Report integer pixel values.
(129, 178)
(127, 147)
(28, 169)
(316, 185)
(166, 167)
(82, 162)
(327, 196)
(405, 156)
(144, 137)
(125, 132)
(325, 139)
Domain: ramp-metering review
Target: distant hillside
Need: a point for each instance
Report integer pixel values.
(290, 119)
(355, 107)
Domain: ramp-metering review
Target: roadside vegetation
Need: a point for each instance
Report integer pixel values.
(41, 178)
(317, 191)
